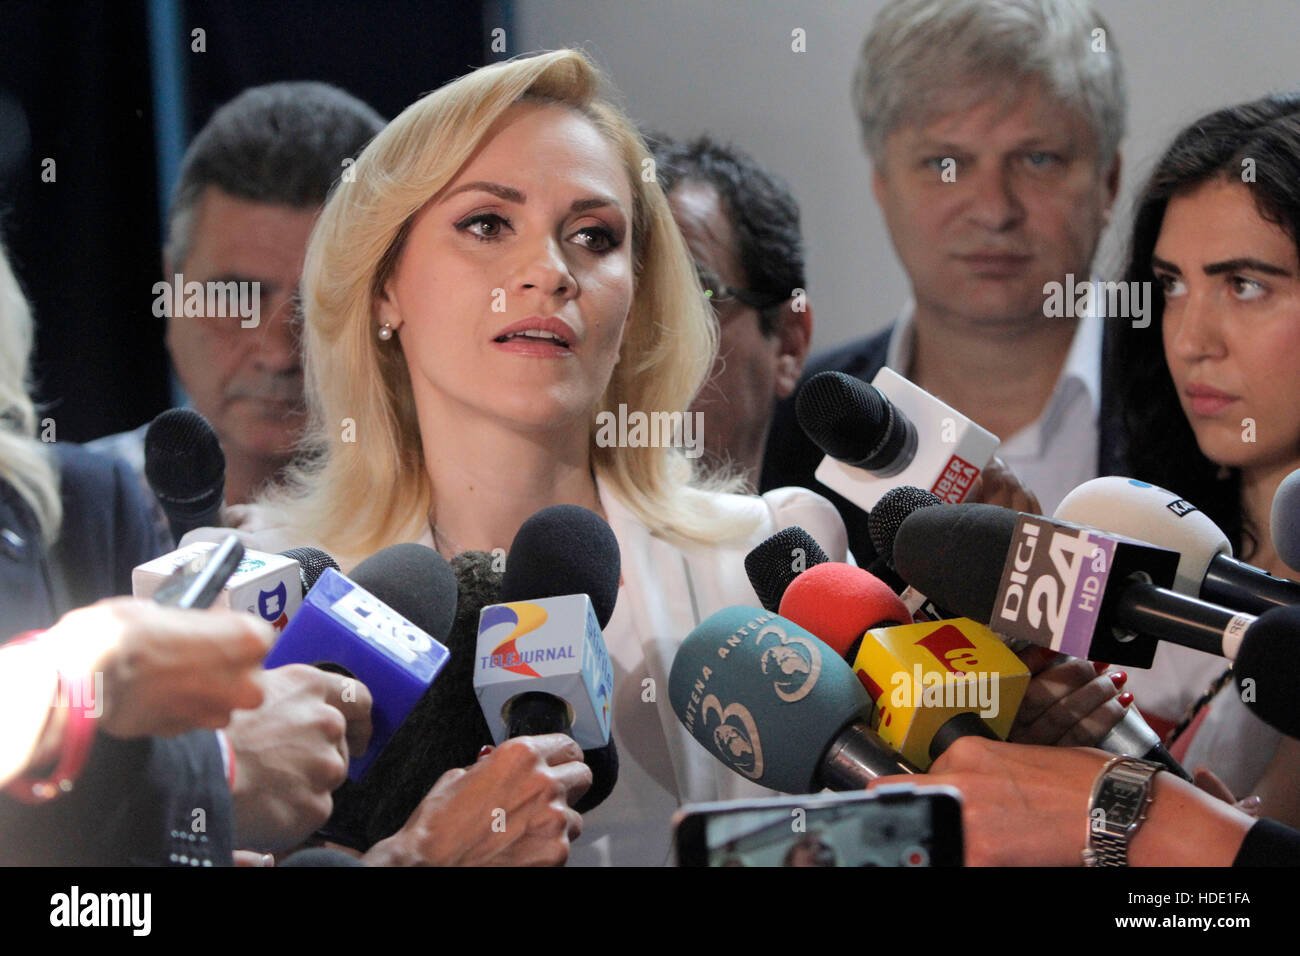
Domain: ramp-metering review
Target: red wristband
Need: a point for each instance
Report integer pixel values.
(75, 741)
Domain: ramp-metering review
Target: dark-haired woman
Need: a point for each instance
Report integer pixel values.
(1211, 391)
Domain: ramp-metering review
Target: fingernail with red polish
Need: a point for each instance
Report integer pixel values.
(1118, 677)
(1099, 667)
(484, 751)
(1125, 699)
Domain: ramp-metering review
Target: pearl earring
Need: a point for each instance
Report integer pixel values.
(385, 332)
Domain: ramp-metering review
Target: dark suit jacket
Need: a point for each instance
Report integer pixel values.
(135, 800)
(791, 458)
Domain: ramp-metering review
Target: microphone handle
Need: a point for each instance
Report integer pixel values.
(1133, 737)
(1179, 619)
(534, 713)
(857, 756)
(965, 724)
(1234, 583)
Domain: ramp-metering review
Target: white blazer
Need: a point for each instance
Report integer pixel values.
(666, 591)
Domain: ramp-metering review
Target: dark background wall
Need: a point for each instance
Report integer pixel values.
(112, 92)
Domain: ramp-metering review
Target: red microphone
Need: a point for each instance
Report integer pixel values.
(839, 603)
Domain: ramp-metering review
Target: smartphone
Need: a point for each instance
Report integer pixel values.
(197, 582)
(902, 825)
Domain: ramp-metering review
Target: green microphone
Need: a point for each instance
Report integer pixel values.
(776, 705)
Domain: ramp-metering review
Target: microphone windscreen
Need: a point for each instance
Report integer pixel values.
(764, 696)
(778, 560)
(1284, 521)
(1269, 657)
(603, 762)
(850, 420)
(444, 730)
(560, 550)
(1148, 513)
(185, 466)
(312, 563)
(416, 582)
(955, 554)
(839, 603)
(890, 511)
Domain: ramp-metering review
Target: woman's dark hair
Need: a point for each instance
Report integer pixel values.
(1257, 144)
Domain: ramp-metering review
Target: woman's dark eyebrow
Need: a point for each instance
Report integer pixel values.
(1246, 262)
(1158, 263)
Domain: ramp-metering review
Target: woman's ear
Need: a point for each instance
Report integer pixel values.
(387, 314)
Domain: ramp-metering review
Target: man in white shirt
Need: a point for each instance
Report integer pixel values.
(993, 131)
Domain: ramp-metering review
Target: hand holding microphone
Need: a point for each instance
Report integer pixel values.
(512, 807)
(292, 752)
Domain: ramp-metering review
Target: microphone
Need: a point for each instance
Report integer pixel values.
(778, 560)
(1284, 520)
(1132, 735)
(1267, 669)
(558, 593)
(443, 731)
(1076, 590)
(186, 468)
(872, 445)
(312, 563)
(925, 680)
(384, 626)
(935, 681)
(840, 603)
(267, 585)
(1206, 567)
(882, 525)
(776, 705)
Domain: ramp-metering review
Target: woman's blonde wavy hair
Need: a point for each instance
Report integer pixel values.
(25, 462)
(356, 496)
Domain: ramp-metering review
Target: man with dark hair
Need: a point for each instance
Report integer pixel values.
(742, 227)
(250, 187)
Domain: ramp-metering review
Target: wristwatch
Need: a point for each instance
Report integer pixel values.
(1120, 798)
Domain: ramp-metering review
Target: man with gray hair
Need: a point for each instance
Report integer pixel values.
(250, 187)
(993, 129)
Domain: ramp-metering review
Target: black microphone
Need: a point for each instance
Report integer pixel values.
(560, 551)
(853, 422)
(186, 468)
(1267, 669)
(1076, 590)
(776, 561)
(444, 730)
(312, 563)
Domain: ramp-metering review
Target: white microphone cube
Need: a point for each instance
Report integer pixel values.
(265, 585)
(550, 646)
